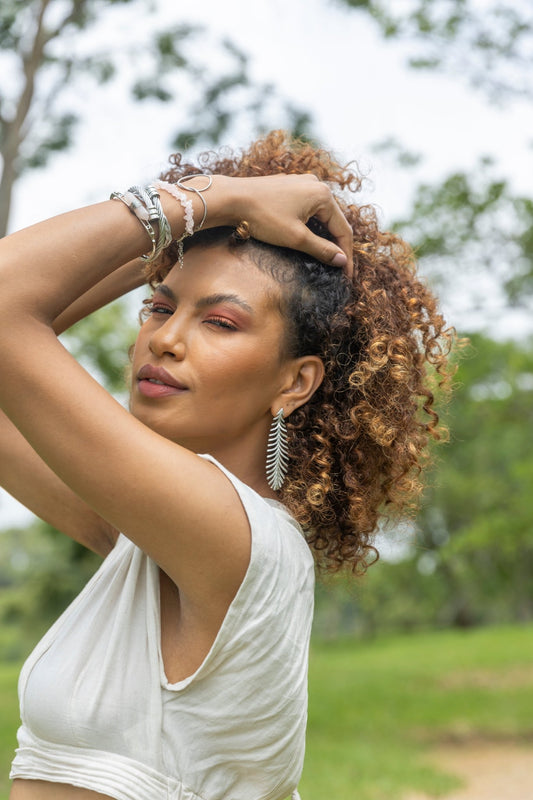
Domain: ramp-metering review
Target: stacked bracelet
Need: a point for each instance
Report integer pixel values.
(165, 233)
(145, 204)
(181, 183)
(172, 188)
(139, 210)
(188, 213)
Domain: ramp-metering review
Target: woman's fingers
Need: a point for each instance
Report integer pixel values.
(326, 251)
(330, 214)
(278, 207)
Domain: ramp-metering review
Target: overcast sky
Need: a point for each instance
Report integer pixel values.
(324, 58)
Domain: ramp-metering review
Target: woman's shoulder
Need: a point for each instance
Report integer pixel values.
(276, 535)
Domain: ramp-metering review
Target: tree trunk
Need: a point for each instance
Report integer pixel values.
(9, 174)
(13, 129)
(6, 189)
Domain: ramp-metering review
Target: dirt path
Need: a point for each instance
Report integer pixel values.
(489, 771)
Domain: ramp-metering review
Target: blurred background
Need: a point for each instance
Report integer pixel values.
(434, 100)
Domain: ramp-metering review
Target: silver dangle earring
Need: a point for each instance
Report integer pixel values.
(277, 452)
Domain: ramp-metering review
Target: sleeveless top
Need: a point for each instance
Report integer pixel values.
(97, 709)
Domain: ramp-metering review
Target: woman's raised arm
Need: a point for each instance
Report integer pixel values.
(135, 479)
(25, 475)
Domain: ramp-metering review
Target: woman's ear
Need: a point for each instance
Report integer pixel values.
(305, 376)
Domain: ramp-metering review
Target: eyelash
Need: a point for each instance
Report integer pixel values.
(221, 322)
(156, 308)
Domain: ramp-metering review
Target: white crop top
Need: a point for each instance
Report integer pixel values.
(98, 711)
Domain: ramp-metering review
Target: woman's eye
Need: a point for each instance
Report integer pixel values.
(221, 322)
(156, 308)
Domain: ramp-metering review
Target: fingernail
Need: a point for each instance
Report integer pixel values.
(339, 260)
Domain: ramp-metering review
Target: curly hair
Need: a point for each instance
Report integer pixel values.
(358, 446)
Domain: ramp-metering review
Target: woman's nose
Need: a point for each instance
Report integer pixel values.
(168, 339)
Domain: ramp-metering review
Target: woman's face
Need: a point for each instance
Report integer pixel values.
(206, 364)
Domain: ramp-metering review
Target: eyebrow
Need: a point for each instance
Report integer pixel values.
(211, 300)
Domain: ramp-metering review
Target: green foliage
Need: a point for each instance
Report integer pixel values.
(58, 137)
(41, 569)
(401, 156)
(482, 504)
(101, 343)
(212, 114)
(41, 572)
(469, 560)
(488, 44)
(31, 38)
(472, 223)
(47, 48)
(169, 56)
(472, 559)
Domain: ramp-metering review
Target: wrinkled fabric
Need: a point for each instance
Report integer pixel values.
(97, 709)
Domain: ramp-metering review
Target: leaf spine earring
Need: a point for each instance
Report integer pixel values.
(277, 452)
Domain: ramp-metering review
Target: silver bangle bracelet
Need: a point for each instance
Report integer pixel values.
(165, 233)
(146, 206)
(181, 183)
(139, 210)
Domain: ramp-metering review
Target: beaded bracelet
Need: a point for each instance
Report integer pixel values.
(185, 178)
(146, 206)
(187, 212)
(186, 204)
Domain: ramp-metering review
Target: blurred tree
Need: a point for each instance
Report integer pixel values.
(41, 570)
(469, 226)
(47, 46)
(476, 530)
(40, 573)
(489, 44)
(101, 343)
(471, 560)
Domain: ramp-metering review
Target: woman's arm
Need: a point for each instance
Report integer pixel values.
(123, 280)
(25, 475)
(138, 481)
(27, 478)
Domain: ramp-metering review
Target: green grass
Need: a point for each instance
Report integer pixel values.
(377, 708)
(9, 722)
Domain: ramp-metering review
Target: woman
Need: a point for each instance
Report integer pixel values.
(180, 671)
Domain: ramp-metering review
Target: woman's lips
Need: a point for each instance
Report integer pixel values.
(152, 389)
(157, 382)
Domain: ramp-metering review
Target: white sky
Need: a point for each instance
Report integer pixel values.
(325, 58)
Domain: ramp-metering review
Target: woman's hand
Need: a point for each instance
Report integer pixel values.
(277, 208)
